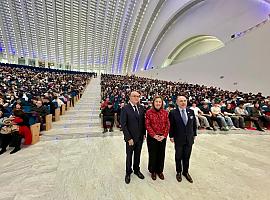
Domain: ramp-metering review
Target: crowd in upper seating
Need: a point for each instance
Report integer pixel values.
(28, 94)
(229, 110)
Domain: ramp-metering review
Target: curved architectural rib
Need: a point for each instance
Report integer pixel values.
(165, 28)
(146, 33)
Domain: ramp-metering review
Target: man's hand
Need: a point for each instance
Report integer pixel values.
(172, 140)
(130, 142)
(144, 137)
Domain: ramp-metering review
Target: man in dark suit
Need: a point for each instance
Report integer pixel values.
(132, 121)
(183, 129)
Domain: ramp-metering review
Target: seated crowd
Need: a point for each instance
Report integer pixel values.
(28, 94)
(213, 106)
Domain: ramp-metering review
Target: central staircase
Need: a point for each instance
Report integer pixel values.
(83, 120)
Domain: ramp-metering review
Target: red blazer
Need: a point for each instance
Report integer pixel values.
(157, 122)
(24, 131)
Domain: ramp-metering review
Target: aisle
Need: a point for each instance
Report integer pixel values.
(82, 120)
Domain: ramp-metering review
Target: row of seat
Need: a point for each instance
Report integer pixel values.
(35, 128)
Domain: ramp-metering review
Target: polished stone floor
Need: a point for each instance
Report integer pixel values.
(75, 161)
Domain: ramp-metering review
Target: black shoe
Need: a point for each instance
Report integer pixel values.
(260, 130)
(178, 177)
(139, 174)
(161, 176)
(2, 151)
(105, 130)
(209, 128)
(15, 150)
(154, 176)
(188, 177)
(111, 130)
(127, 179)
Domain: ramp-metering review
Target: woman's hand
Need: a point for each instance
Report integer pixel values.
(156, 137)
(161, 137)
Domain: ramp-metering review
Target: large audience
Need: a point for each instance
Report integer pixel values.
(28, 94)
(213, 107)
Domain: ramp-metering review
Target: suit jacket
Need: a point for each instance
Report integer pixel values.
(182, 134)
(133, 125)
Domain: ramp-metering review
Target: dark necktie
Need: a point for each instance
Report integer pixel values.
(184, 117)
(136, 110)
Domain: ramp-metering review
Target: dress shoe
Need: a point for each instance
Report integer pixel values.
(127, 179)
(178, 177)
(15, 150)
(161, 176)
(139, 174)
(2, 151)
(154, 176)
(111, 130)
(188, 177)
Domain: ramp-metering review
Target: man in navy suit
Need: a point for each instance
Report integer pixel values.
(132, 121)
(183, 130)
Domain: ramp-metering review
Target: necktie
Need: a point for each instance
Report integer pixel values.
(184, 117)
(136, 110)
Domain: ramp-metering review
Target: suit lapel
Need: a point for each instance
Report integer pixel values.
(188, 115)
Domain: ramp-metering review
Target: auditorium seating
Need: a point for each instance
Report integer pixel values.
(35, 130)
(28, 85)
(116, 89)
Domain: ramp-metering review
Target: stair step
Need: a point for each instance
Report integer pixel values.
(79, 135)
(88, 116)
(83, 120)
(84, 111)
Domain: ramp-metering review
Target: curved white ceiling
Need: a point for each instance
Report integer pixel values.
(113, 36)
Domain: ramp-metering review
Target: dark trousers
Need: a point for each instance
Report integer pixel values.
(72, 100)
(256, 120)
(211, 119)
(218, 120)
(13, 140)
(182, 156)
(136, 148)
(106, 119)
(265, 120)
(156, 153)
(6, 139)
(238, 121)
(118, 120)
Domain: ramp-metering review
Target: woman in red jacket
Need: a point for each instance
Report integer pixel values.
(157, 126)
(22, 121)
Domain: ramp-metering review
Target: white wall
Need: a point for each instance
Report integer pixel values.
(245, 60)
(220, 18)
(197, 48)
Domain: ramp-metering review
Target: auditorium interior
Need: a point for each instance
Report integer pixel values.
(65, 64)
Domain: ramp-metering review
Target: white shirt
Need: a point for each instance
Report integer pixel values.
(196, 110)
(133, 107)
